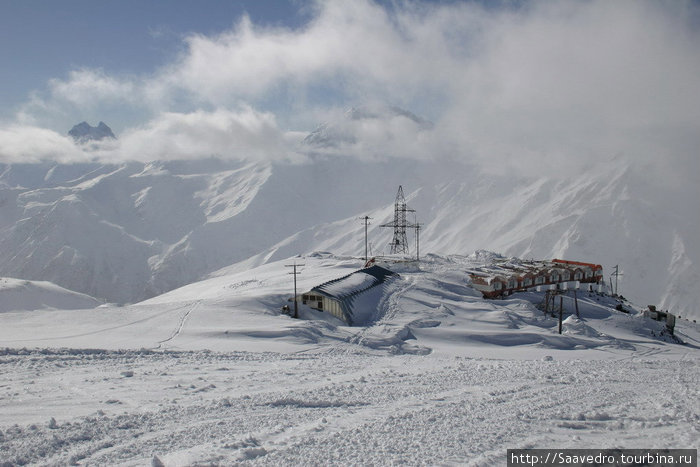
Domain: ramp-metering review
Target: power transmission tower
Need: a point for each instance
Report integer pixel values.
(366, 219)
(295, 273)
(399, 243)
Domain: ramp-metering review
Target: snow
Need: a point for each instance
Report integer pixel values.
(356, 281)
(130, 231)
(18, 295)
(195, 363)
(214, 373)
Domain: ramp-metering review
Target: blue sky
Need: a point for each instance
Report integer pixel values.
(532, 84)
(45, 39)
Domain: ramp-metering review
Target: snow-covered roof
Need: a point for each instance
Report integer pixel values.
(355, 282)
(502, 269)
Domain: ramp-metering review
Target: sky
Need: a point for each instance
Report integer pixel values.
(516, 84)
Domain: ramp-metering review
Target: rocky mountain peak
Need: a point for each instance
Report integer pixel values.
(83, 132)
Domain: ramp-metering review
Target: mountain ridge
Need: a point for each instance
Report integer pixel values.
(129, 231)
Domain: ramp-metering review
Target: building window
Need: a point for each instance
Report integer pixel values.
(539, 280)
(497, 286)
(554, 277)
(511, 284)
(320, 305)
(527, 282)
(566, 276)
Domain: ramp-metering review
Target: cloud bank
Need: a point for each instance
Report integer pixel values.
(538, 85)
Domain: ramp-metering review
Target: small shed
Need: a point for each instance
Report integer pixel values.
(342, 297)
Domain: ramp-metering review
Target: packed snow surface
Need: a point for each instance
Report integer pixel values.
(214, 373)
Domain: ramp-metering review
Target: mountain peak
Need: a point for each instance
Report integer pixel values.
(83, 132)
(347, 128)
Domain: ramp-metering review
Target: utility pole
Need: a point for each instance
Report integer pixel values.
(366, 219)
(417, 226)
(295, 273)
(561, 311)
(616, 273)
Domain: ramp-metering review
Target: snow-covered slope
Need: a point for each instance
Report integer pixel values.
(125, 232)
(213, 373)
(20, 295)
(610, 217)
(428, 307)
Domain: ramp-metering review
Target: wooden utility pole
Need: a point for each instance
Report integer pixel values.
(366, 219)
(561, 311)
(417, 226)
(616, 273)
(576, 304)
(295, 273)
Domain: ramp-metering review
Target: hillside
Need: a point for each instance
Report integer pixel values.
(129, 231)
(23, 295)
(214, 373)
(423, 310)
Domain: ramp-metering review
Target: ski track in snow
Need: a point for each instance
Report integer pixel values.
(180, 324)
(440, 376)
(326, 408)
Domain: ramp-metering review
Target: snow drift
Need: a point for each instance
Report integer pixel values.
(23, 295)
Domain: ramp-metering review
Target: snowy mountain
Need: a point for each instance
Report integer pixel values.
(83, 132)
(125, 232)
(356, 124)
(22, 295)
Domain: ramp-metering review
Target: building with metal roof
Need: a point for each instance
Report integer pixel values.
(352, 298)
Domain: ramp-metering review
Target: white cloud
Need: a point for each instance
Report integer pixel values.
(540, 85)
(571, 79)
(241, 134)
(86, 88)
(24, 143)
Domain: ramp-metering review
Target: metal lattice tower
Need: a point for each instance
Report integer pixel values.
(399, 244)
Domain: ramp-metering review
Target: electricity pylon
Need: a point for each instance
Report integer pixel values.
(399, 243)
